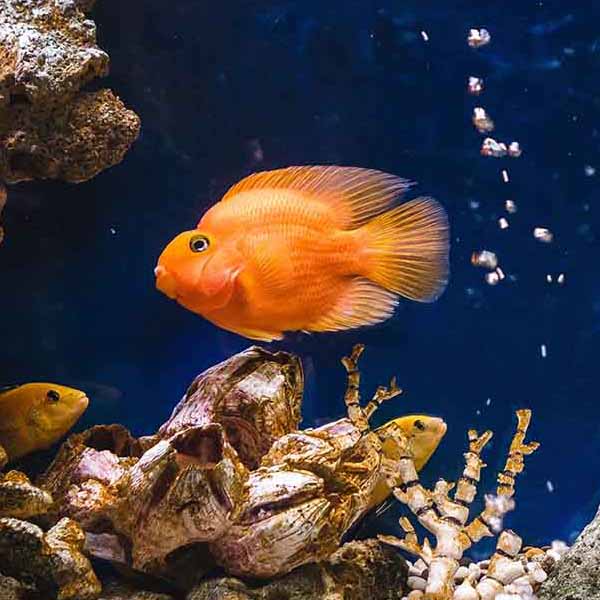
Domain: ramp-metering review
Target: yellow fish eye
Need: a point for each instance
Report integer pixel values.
(419, 425)
(53, 396)
(199, 243)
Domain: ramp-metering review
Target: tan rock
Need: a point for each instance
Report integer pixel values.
(49, 127)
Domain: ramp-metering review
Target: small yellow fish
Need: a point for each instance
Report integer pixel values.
(34, 416)
(424, 434)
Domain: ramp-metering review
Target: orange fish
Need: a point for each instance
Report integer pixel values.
(308, 248)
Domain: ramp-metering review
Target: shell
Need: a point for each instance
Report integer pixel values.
(85, 465)
(182, 491)
(311, 488)
(255, 396)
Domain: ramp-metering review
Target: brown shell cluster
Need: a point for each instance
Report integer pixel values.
(229, 477)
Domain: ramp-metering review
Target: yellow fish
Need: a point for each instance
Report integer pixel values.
(424, 434)
(319, 248)
(34, 416)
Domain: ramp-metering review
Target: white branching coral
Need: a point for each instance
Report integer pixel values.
(446, 516)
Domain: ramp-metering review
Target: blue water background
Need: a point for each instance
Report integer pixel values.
(354, 83)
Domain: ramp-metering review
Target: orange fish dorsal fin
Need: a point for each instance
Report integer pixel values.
(362, 303)
(355, 194)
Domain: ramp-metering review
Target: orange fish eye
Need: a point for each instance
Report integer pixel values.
(419, 425)
(199, 243)
(53, 396)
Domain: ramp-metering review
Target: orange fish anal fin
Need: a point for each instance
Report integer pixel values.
(356, 195)
(258, 335)
(362, 303)
(407, 250)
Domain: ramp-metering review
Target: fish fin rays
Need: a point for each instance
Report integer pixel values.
(363, 303)
(408, 249)
(259, 335)
(253, 333)
(274, 274)
(356, 194)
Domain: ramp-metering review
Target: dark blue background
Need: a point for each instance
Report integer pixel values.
(354, 83)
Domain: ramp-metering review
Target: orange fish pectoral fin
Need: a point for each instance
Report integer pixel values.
(362, 303)
(407, 249)
(219, 274)
(354, 194)
(273, 267)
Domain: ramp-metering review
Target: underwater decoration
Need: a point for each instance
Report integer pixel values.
(275, 477)
(230, 481)
(201, 480)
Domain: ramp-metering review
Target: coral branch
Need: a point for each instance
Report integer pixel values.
(360, 416)
(503, 568)
(466, 489)
(518, 449)
(446, 517)
(489, 521)
(410, 542)
(356, 414)
(382, 394)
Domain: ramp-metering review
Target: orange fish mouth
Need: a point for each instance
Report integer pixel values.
(165, 282)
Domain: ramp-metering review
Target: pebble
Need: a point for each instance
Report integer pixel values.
(475, 87)
(416, 583)
(484, 258)
(543, 235)
(478, 37)
(538, 566)
(536, 572)
(465, 591)
(514, 150)
(553, 554)
(482, 121)
(559, 546)
(420, 564)
(412, 570)
(548, 563)
(491, 279)
(520, 586)
(475, 570)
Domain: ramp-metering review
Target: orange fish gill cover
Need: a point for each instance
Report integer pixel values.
(319, 248)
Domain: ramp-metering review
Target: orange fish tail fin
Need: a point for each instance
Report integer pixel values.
(407, 249)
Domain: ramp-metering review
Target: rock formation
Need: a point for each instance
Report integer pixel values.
(577, 575)
(49, 126)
